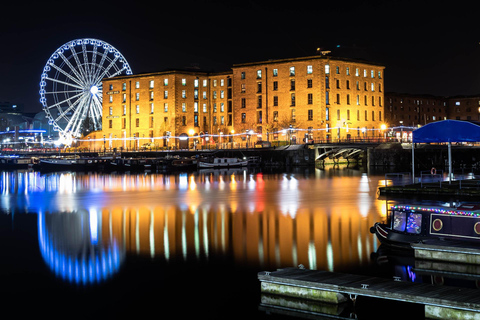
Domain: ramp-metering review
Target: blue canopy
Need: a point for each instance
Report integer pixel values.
(448, 131)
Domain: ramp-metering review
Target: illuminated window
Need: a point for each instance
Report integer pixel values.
(292, 71)
(165, 107)
(275, 72)
(327, 69)
(399, 221)
(137, 108)
(151, 108)
(204, 83)
(137, 96)
(309, 69)
(110, 111)
(184, 107)
(165, 81)
(137, 85)
(184, 82)
(259, 74)
(152, 83)
(414, 223)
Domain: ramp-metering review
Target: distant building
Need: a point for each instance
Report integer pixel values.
(9, 107)
(464, 108)
(412, 110)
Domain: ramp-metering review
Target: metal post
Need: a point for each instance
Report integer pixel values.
(413, 163)
(449, 162)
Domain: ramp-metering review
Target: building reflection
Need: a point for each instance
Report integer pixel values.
(89, 223)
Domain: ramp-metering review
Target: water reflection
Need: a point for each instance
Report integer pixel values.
(89, 223)
(72, 246)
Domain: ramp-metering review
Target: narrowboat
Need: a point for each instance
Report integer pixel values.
(223, 163)
(410, 224)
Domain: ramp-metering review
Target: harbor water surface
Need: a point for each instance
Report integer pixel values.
(184, 245)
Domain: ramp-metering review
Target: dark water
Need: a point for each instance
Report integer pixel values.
(76, 245)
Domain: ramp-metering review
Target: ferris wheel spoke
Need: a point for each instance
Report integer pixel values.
(76, 118)
(79, 65)
(85, 61)
(63, 92)
(102, 75)
(67, 62)
(65, 83)
(65, 112)
(93, 63)
(118, 72)
(102, 62)
(66, 100)
(96, 107)
(67, 75)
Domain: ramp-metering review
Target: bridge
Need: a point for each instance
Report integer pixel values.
(350, 151)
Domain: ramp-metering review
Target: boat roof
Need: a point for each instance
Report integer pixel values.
(460, 209)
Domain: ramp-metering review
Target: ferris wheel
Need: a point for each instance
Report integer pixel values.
(71, 85)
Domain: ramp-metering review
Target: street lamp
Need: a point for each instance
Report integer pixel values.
(383, 127)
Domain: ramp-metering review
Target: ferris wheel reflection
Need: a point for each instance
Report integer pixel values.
(69, 244)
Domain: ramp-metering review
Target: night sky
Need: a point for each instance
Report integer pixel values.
(427, 47)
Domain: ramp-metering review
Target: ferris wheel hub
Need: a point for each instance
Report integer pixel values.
(94, 90)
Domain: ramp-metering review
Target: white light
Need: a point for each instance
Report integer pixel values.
(94, 90)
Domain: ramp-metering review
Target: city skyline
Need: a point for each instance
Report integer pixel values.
(427, 48)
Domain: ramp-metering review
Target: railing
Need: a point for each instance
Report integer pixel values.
(398, 178)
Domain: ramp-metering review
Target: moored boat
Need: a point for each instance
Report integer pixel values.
(73, 164)
(17, 162)
(222, 163)
(419, 223)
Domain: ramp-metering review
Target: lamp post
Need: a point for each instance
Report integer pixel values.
(383, 127)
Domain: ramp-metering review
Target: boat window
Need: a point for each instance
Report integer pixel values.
(414, 223)
(399, 221)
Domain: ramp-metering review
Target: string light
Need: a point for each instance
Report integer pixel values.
(455, 212)
(248, 132)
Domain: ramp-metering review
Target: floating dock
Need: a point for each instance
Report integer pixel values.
(441, 302)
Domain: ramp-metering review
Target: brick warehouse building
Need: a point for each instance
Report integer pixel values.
(317, 97)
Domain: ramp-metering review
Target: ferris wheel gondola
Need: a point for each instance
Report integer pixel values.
(71, 85)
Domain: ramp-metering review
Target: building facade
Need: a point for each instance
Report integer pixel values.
(297, 100)
(320, 98)
(155, 109)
